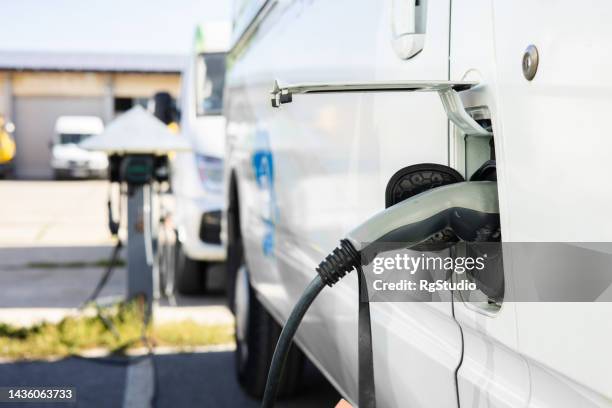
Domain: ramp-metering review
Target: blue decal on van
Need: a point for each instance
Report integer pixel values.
(263, 167)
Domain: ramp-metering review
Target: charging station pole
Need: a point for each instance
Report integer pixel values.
(138, 145)
(140, 172)
(140, 272)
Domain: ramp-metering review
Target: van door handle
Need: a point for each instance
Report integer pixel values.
(447, 90)
(405, 38)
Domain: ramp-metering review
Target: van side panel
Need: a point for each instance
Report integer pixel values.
(555, 148)
(313, 169)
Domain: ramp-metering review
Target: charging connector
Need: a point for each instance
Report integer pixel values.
(338, 263)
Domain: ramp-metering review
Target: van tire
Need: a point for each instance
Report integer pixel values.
(189, 274)
(256, 339)
(235, 257)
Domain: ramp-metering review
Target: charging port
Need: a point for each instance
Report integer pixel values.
(474, 157)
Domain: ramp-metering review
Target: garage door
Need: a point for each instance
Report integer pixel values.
(35, 118)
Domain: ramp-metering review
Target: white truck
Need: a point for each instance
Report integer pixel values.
(525, 85)
(197, 176)
(68, 159)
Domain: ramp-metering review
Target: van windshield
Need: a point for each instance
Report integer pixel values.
(76, 138)
(210, 78)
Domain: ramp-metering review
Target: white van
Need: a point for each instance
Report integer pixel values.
(197, 176)
(68, 160)
(525, 85)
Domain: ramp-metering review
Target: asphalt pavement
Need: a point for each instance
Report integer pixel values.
(179, 380)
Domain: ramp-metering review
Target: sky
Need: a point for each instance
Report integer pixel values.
(106, 26)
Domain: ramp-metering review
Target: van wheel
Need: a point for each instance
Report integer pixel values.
(256, 336)
(235, 254)
(189, 274)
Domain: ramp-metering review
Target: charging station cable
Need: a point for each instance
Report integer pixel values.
(147, 223)
(469, 209)
(113, 226)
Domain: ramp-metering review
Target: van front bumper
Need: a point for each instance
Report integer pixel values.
(199, 230)
(74, 170)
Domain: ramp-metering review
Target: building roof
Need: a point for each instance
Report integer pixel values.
(90, 62)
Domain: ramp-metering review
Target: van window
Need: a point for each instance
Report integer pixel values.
(210, 78)
(76, 138)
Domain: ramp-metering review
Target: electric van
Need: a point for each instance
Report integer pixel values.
(363, 91)
(197, 176)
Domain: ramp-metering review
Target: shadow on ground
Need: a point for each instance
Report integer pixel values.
(54, 277)
(64, 276)
(183, 380)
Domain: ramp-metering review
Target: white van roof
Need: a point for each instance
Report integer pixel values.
(89, 125)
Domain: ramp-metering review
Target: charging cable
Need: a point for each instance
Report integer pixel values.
(113, 226)
(335, 266)
(469, 210)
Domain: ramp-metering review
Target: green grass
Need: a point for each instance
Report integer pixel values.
(115, 329)
(187, 334)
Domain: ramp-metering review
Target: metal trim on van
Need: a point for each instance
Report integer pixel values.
(251, 28)
(447, 90)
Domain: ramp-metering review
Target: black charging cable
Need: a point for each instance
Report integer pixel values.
(286, 337)
(108, 272)
(334, 267)
(113, 226)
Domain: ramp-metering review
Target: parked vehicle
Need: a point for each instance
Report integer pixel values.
(299, 177)
(7, 147)
(68, 160)
(197, 176)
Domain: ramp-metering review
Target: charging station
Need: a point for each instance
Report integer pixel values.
(138, 145)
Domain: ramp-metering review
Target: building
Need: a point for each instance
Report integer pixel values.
(36, 88)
